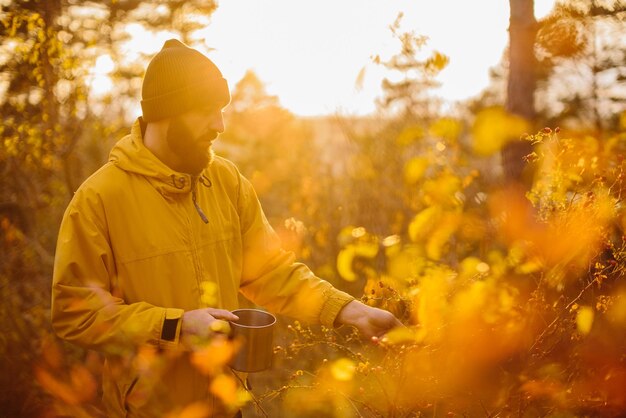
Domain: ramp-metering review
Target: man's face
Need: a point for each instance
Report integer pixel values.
(190, 136)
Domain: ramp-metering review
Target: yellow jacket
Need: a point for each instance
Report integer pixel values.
(134, 250)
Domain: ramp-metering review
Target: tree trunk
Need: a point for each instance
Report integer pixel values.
(521, 81)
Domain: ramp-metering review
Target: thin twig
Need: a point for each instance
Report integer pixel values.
(569, 305)
(254, 399)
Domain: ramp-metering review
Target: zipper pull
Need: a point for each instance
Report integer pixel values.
(198, 208)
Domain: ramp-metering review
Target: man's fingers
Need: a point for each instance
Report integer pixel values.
(222, 314)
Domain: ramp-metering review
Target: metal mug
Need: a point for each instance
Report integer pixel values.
(254, 330)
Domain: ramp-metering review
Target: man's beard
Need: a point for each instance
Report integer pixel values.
(194, 158)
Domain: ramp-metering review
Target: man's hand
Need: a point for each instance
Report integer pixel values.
(202, 323)
(371, 322)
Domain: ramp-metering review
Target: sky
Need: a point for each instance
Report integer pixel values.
(310, 53)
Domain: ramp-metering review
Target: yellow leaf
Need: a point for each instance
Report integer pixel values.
(194, 410)
(400, 335)
(415, 169)
(431, 301)
(210, 359)
(443, 190)
(208, 293)
(55, 387)
(406, 264)
(471, 301)
(83, 382)
(531, 266)
(494, 127)
(423, 223)
(366, 249)
(584, 319)
(344, 263)
(444, 230)
(447, 128)
(470, 267)
(410, 135)
(225, 388)
(437, 62)
(343, 369)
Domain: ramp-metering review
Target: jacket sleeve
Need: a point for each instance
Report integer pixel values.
(85, 309)
(272, 278)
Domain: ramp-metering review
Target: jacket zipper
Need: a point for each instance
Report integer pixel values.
(193, 245)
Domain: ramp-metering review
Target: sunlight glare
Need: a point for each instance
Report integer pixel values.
(104, 65)
(543, 8)
(317, 56)
(101, 83)
(142, 42)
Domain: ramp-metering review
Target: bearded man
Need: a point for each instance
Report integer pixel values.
(156, 246)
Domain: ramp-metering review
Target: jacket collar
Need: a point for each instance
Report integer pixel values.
(131, 155)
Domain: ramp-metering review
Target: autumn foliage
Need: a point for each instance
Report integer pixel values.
(512, 294)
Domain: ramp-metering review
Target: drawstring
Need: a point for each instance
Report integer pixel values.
(195, 202)
(179, 183)
(198, 208)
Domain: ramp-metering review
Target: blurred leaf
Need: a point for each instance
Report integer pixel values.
(400, 335)
(51, 352)
(437, 62)
(584, 319)
(443, 190)
(83, 383)
(366, 249)
(407, 263)
(415, 169)
(409, 135)
(360, 78)
(471, 267)
(211, 359)
(493, 128)
(447, 128)
(346, 257)
(424, 222)
(194, 410)
(55, 387)
(226, 389)
(441, 234)
(344, 263)
(343, 369)
(432, 302)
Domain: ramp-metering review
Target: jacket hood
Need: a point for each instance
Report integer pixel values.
(131, 155)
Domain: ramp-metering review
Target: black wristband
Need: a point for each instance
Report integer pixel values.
(168, 332)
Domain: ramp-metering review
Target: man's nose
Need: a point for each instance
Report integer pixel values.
(217, 122)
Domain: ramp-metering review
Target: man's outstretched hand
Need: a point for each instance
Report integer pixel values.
(371, 322)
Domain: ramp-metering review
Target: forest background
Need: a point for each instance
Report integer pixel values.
(496, 234)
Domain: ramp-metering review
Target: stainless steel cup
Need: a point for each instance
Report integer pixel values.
(254, 330)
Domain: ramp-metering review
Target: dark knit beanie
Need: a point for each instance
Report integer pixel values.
(179, 79)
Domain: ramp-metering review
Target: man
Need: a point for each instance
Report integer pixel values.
(156, 245)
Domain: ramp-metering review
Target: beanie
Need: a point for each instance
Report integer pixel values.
(179, 79)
